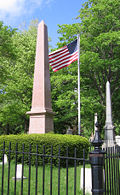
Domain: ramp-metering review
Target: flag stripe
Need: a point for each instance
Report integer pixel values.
(52, 55)
(65, 65)
(66, 62)
(57, 51)
(64, 56)
(66, 59)
(59, 57)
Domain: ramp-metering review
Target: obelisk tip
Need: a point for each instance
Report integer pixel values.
(42, 23)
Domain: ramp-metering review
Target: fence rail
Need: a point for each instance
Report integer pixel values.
(19, 176)
(51, 177)
(112, 171)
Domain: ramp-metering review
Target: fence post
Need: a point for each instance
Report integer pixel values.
(97, 164)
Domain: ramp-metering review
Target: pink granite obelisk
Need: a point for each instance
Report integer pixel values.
(41, 114)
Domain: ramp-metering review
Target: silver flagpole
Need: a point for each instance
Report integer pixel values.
(79, 119)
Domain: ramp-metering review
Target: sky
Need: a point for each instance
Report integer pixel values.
(15, 13)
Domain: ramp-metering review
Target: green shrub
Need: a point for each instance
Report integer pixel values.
(37, 141)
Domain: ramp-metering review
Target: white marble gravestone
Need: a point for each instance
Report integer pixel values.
(88, 180)
(19, 172)
(5, 160)
(117, 139)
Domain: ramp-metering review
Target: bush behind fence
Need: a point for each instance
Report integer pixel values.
(47, 144)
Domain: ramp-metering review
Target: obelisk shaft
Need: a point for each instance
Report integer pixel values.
(41, 115)
(108, 104)
(109, 128)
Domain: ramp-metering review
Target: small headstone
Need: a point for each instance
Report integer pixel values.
(88, 180)
(69, 131)
(117, 139)
(5, 160)
(19, 172)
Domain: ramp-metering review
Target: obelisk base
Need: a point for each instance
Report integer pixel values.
(109, 136)
(40, 123)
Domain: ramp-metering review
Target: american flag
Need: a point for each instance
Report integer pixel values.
(64, 56)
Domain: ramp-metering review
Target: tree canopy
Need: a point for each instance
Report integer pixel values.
(16, 90)
(98, 24)
(99, 29)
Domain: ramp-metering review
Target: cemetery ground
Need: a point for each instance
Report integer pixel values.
(40, 180)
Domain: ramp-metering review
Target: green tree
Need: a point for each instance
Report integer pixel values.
(99, 30)
(6, 50)
(64, 98)
(7, 59)
(16, 93)
(17, 89)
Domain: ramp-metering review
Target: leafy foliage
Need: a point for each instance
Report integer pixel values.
(100, 60)
(17, 88)
(99, 27)
(6, 50)
(47, 140)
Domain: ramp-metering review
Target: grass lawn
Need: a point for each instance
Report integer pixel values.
(40, 181)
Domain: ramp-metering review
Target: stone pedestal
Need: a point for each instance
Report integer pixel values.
(41, 114)
(109, 135)
(41, 122)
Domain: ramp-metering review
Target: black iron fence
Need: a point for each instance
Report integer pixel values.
(47, 179)
(19, 178)
(112, 171)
